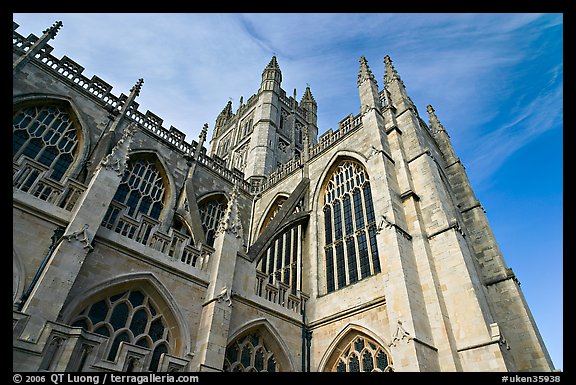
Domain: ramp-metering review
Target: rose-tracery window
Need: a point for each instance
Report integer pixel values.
(142, 189)
(46, 134)
(362, 354)
(211, 212)
(250, 354)
(349, 227)
(130, 316)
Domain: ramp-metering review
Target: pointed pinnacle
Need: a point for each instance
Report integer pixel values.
(308, 96)
(204, 132)
(53, 30)
(390, 72)
(137, 87)
(435, 124)
(364, 73)
(273, 64)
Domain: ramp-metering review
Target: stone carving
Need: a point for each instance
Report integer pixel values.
(400, 335)
(224, 296)
(82, 235)
(118, 157)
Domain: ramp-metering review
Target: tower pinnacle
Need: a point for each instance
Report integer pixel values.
(390, 72)
(435, 124)
(365, 73)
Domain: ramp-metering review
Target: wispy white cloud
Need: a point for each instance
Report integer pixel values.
(463, 64)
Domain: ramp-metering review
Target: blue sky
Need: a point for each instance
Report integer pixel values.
(495, 81)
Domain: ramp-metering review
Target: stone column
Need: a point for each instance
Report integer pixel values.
(217, 310)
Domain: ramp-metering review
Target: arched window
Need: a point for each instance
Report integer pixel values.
(276, 206)
(349, 227)
(250, 354)
(130, 316)
(46, 134)
(211, 211)
(142, 189)
(362, 354)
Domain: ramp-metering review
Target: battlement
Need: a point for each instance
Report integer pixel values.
(97, 89)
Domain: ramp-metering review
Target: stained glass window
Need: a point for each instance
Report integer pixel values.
(362, 354)
(254, 355)
(46, 134)
(211, 211)
(349, 227)
(142, 189)
(128, 316)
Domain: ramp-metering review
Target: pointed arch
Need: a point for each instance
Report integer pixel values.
(258, 335)
(211, 207)
(146, 189)
(150, 286)
(348, 251)
(329, 168)
(271, 210)
(162, 168)
(70, 151)
(361, 342)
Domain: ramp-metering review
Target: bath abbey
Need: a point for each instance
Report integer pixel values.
(257, 246)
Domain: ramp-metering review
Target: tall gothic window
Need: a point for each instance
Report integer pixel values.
(46, 134)
(130, 316)
(362, 354)
(349, 227)
(142, 189)
(250, 354)
(211, 211)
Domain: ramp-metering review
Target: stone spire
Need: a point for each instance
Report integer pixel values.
(307, 97)
(389, 70)
(397, 97)
(47, 35)
(271, 76)
(273, 65)
(365, 73)
(309, 104)
(435, 125)
(367, 88)
(441, 136)
(222, 119)
(201, 140)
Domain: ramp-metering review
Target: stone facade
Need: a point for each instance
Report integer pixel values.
(362, 250)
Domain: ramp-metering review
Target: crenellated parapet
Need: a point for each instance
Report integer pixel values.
(98, 90)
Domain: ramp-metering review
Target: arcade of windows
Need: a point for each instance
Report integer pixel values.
(130, 316)
(46, 134)
(349, 226)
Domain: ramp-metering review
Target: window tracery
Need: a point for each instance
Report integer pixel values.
(362, 354)
(249, 353)
(350, 244)
(130, 316)
(47, 134)
(211, 211)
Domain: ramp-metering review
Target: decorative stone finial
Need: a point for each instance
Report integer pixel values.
(230, 222)
(117, 159)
